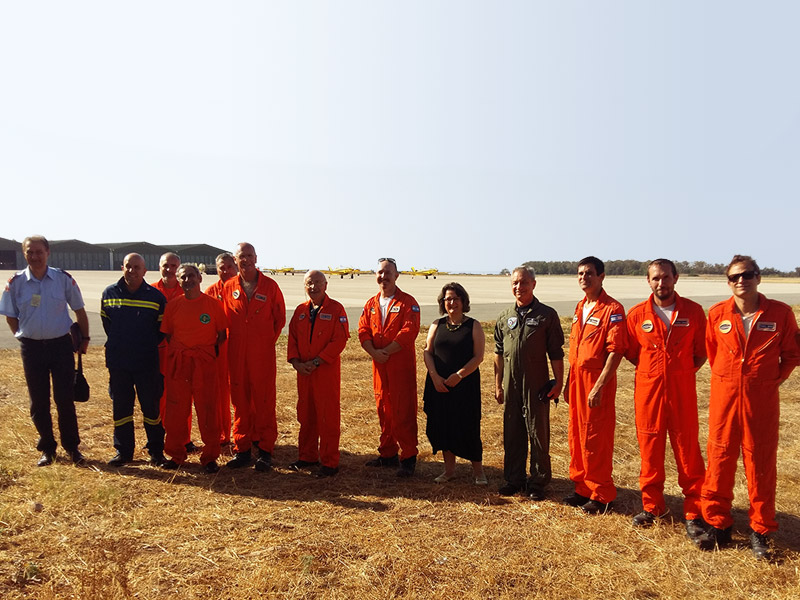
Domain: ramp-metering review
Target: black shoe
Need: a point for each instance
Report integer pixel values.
(695, 528)
(646, 519)
(509, 489)
(536, 493)
(191, 448)
(169, 465)
(299, 465)
(119, 460)
(407, 466)
(157, 459)
(211, 467)
(713, 539)
(76, 457)
(595, 507)
(264, 461)
(575, 499)
(46, 458)
(326, 472)
(242, 459)
(759, 544)
(392, 461)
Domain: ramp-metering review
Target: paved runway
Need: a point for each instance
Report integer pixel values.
(489, 294)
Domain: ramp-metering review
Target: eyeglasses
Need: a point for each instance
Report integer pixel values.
(746, 275)
(391, 260)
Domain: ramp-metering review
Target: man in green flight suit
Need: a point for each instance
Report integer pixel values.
(525, 336)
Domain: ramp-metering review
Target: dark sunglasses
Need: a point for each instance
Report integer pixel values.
(746, 275)
(391, 260)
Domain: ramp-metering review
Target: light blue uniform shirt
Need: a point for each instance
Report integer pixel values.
(41, 305)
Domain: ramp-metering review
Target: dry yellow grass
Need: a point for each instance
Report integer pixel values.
(141, 532)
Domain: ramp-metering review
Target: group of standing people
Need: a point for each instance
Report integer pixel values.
(171, 345)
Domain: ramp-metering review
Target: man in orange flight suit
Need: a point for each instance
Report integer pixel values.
(168, 285)
(195, 325)
(752, 348)
(318, 333)
(597, 344)
(387, 330)
(226, 269)
(666, 342)
(256, 315)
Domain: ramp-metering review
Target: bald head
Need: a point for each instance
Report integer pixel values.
(133, 270)
(316, 285)
(168, 265)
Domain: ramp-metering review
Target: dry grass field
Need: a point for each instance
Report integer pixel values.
(141, 532)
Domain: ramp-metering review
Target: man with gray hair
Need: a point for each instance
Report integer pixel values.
(525, 336)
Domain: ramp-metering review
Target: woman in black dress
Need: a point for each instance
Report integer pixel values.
(452, 398)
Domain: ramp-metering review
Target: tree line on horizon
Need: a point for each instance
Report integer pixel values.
(639, 267)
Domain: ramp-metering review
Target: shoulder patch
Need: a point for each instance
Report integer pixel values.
(342, 319)
(415, 308)
(616, 317)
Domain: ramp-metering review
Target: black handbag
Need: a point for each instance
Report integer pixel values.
(81, 386)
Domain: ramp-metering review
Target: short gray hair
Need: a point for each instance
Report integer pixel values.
(527, 269)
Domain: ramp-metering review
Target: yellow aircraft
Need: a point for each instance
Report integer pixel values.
(340, 272)
(424, 272)
(284, 270)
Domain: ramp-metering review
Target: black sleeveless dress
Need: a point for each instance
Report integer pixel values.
(454, 418)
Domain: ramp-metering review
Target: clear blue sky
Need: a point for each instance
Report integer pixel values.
(469, 136)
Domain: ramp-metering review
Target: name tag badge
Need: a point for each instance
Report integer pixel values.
(261, 297)
(647, 326)
(324, 316)
(616, 318)
(766, 326)
(532, 322)
(593, 321)
(36, 300)
(395, 309)
(725, 326)
(681, 322)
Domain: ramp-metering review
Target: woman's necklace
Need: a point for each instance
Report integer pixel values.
(454, 327)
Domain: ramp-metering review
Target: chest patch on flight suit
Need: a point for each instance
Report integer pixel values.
(205, 319)
(236, 294)
(766, 326)
(261, 297)
(725, 326)
(647, 326)
(302, 316)
(616, 318)
(372, 310)
(324, 316)
(593, 321)
(394, 309)
(681, 323)
(512, 322)
(533, 321)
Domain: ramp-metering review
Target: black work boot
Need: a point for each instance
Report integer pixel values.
(242, 459)
(407, 466)
(713, 539)
(759, 544)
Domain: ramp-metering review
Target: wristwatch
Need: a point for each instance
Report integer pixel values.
(316, 362)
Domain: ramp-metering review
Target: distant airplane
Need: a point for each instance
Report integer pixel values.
(340, 272)
(426, 272)
(284, 270)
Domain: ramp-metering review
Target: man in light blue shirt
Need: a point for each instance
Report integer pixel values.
(34, 303)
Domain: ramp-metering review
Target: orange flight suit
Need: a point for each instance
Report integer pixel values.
(591, 430)
(394, 382)
(253, 328)
(223, 381)
(169, 294)
(192, 373)
(665, 398)
(318, 393)
(744, 407)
